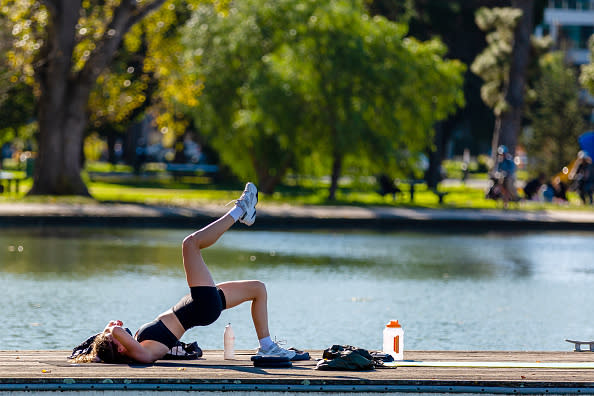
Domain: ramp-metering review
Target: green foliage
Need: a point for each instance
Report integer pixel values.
(297, 84)
(375, 91)
(5, 70)
(540, 47)
(493, 64)
(484, 163)
(247, 108)
(587, 72)
(16, 113)
(147, 74)
(27, 21)
(16, 97)
(166, 75)
(557, 117)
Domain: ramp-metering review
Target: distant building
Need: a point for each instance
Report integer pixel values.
(570, 23)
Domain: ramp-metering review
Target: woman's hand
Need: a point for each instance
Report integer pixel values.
(112, 324)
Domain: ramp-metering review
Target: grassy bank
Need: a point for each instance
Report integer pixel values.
(159, 189)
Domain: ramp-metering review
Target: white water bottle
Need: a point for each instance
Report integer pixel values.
(394, 340)
(229, 343)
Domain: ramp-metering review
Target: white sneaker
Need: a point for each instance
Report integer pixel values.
(276, 351)
(247, 202)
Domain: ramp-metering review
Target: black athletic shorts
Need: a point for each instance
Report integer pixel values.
(201, 307)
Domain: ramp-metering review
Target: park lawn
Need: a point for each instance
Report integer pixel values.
(108, 192)
(162, 192)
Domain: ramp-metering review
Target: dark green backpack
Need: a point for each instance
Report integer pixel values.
(346, 357)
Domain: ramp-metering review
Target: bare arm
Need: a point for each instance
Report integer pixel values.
(134, 349)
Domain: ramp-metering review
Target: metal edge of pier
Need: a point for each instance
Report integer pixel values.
(71, 385)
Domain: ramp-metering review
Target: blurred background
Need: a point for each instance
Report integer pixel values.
(366, 101)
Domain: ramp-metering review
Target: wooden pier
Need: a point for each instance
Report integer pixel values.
(472, 372)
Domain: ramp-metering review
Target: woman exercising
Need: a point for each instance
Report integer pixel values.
(199, 308)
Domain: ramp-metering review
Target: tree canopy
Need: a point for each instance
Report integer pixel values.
(63, 49)
(288, 84)
(557, 117)
(493, 64)
(587, 71)
(507, 66)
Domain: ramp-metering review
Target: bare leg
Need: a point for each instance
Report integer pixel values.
(197, 273)
(238, 292)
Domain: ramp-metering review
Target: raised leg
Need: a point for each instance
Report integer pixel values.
(197, 273)
(238, 292)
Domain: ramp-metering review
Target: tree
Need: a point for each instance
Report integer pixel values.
(377, 99)
(248, 109)
(557, 117)
(317, 82)
(511, 119)
(504, 65)
(17, 102)
(5, 71)
(61, 47)
(470, 127)
(587, 71)
(453, 22)
(16, 96)
(493, 64)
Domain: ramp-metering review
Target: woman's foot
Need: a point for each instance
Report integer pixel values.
(247, 202)
(277, 351)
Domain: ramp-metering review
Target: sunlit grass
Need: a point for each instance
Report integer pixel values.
(106, 192)
(108, 186)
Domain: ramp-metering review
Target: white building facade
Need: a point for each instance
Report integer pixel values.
(570, 24)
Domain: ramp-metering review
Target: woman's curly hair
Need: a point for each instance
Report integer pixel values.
(103, 350)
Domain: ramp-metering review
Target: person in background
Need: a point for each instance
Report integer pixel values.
(534, 186)
(503, 178)
(556, 191)
(585, 178)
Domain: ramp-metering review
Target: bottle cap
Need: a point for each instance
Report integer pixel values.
(393, 323)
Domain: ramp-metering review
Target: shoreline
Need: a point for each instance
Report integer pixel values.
(288, 217)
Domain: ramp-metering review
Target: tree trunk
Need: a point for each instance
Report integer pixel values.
(495, 142)
(511, 120)
(267, 180)
(436, 155)
(267, 183)
(61, 114)
(336, 171)
(64, 94)
(58, 165)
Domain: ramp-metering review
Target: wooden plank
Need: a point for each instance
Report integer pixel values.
(44, 368)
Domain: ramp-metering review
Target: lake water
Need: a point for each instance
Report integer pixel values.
(450, 291)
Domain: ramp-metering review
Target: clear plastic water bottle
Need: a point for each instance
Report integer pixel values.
(229, 343)
(394, 340)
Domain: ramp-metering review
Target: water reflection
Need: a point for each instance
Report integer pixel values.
(493, 291)
(82, 256)
(85, 252)
(420, 256)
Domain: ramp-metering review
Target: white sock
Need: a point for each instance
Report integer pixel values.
(266, 343)
(236, 212)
